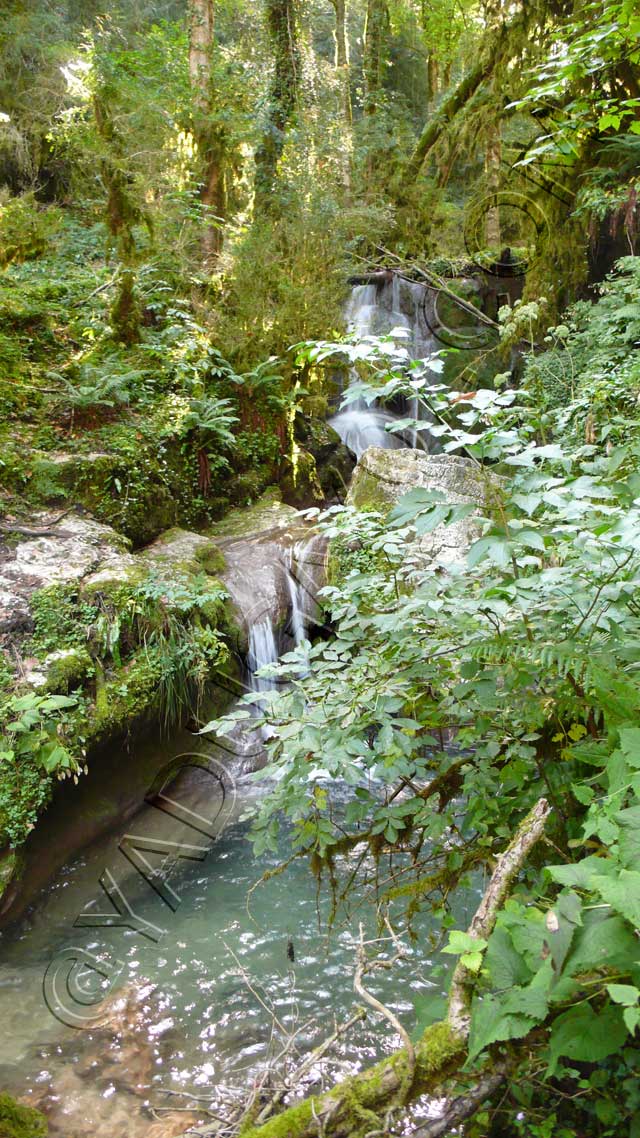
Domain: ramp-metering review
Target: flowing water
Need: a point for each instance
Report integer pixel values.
(378, 310)
(197, 1000)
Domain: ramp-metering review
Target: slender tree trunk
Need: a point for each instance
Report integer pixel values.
(123, 214)
(492, 167)
(201, 30)
(433, 74)
(343, 72)
(375, 37)
(283, 98)
(342, 58)
(209, 136)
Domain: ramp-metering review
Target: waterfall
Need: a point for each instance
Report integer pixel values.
(262, 650)
(377, 310)
(306, 567)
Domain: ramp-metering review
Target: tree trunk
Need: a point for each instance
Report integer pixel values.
(492, 167)
(446, 112)
(201, 28)
(342, 58)
(283, 98)
(375, 37)
(209, 136)
(433, 73)
(123, 214)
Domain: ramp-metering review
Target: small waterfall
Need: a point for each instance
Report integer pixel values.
(306, 569)
(262, 650)
(377, 310)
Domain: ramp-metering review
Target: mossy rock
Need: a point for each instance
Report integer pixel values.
(333, 460)
(300, 484)
(127, 699)
(17, 1121)
(11, 868)
(67, 670)
(269, 512)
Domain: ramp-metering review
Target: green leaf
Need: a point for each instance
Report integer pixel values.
(460, 942)
(472, 961)
(625, 994)
(504, 964)
(586, 1036)
(429, 1009)
(630, 744)
(629, 841)
(622, 893)
(490, 1023)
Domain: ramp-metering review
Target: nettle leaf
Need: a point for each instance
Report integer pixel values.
(586, 1036)
(622, 893)
(625, 994)
(562, 922)
(490, 1023)
(493, 548)
(580, 874)
(629, 840)
(602, 941)
(503, 963)
(460, 943)
(630, 744)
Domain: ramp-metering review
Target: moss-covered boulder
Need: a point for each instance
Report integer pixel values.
(334, 462)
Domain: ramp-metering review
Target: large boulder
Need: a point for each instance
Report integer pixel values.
(54, 552)
(382, 477)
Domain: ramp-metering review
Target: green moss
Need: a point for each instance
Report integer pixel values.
(60, 619)
(68, 671)
(366, 493)
(212, 560)
(129, 698)
(18, 1121)
(439, 1053)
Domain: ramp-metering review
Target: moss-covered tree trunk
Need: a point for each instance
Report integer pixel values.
(209, 135)
(342, 59)
(446, 112)
(122, 215)
(493, 157)
(284, 95)
(376, 35)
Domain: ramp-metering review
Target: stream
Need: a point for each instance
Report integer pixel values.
(195, 976)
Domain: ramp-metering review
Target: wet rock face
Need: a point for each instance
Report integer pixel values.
(334, 461)
(65, 552)
(382, 477)
(255, 543)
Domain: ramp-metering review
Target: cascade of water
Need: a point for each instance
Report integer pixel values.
(262, 650)
(378, 310)
(306, 567)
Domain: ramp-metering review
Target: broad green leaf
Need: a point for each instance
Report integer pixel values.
(625, 994)
(489, 1024)
(504, 964)
(586, 1036)
(622, 893)
(460, 942)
